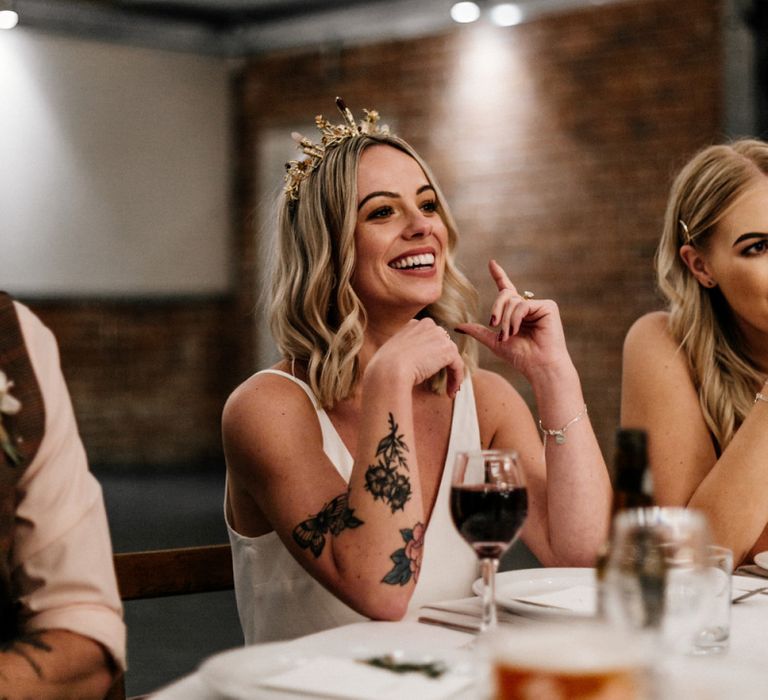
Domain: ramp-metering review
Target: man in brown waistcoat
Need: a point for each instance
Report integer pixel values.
(61, 628)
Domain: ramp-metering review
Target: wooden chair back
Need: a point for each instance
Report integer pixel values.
(168, 572)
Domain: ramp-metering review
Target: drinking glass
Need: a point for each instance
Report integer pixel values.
(713, 636)
(656, 576)
(489, 503)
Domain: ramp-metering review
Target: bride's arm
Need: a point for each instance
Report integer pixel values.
(353, 539)
(569, 488)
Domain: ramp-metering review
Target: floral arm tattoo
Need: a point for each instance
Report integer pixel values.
(407, 559)
(334, 517)
(382, 480)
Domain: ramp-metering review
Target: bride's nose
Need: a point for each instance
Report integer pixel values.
(418, 226)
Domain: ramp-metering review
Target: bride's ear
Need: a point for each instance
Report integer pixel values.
(697, 264)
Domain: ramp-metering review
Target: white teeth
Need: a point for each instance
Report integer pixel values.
(413, 261)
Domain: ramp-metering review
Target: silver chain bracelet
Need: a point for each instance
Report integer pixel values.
(559, 433)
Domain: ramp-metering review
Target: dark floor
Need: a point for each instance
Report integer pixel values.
(168, 637)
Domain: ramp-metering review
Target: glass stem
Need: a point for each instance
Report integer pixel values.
(488, 567)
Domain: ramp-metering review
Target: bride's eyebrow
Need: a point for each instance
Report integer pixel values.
(748, 236)
(383, 193)
(375, 194)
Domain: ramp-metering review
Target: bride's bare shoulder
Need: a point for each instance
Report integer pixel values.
(494, 394)
(267, 393)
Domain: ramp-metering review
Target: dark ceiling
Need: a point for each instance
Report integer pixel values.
(228, 14)
(245, 27)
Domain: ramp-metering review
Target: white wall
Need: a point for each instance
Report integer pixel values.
(114, 169)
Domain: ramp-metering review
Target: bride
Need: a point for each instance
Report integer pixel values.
(338, 457)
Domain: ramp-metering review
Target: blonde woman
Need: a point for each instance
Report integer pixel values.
(339, 457)
(694, 375)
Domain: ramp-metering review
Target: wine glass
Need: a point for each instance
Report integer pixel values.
(656, 574)
(489, 503)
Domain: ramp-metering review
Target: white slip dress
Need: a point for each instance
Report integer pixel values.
(277, 599)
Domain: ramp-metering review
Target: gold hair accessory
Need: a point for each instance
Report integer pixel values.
(686, 232)
(332, 135)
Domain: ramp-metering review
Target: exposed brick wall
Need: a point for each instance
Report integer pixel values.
(147, 379)
(555, 142)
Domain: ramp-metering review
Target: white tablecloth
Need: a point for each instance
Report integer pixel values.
(742, 672)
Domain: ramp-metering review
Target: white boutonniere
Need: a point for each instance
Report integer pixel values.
(9, 406)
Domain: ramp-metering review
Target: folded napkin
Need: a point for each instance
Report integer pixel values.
(463, 614)
(579, 599)
(335, 677)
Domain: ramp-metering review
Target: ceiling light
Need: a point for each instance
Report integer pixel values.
(465, 12)
(506, 14)
(9, 18)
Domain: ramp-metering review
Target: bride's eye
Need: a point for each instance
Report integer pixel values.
(756, 248)
(429, 206)
(380, 213)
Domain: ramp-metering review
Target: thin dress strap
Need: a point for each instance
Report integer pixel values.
(295, 380)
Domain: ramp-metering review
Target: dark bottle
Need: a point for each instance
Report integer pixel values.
(630, 490)
(630, 470)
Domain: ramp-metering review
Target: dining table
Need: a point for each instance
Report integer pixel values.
(445, 634)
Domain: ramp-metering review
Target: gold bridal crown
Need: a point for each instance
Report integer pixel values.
(332, 135)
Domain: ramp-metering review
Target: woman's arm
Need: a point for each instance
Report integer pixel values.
(353, 539)
(659, 396)
(54, 665)
(569, 488)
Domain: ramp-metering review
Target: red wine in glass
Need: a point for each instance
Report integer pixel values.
(489, 503)
(489, 517)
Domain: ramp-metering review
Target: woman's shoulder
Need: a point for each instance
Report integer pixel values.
(652, 354)
(500, 408)
(494, 392)
(268, 392)
(651, 333)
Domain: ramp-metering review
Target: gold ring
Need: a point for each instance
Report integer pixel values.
(528, 295)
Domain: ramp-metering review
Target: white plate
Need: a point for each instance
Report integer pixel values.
(239, 674)
(761, 559)
(511, 586)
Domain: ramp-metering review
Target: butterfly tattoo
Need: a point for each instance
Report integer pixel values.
(334, 517)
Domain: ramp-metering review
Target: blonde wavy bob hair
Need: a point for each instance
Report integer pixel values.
(316, 317)
(700, 318)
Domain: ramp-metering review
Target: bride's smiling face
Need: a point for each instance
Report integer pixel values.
(400, 237)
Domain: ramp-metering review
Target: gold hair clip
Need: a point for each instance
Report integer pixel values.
(686, 232)
(332, 135)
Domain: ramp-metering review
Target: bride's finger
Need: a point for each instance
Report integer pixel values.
(518, 316)
(505, 325)
(500, 277)
(455, 377)
(503, 299)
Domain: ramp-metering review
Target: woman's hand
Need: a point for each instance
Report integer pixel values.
(421, 348)
(527, 333)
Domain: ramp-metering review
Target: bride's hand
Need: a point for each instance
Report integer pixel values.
(526, 332)
(422, 348)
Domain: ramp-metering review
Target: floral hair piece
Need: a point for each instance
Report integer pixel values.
(332, 135)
